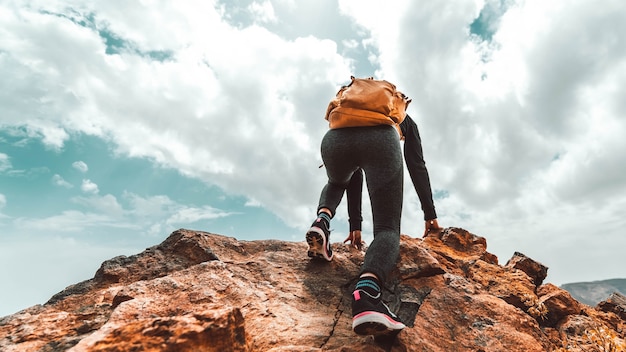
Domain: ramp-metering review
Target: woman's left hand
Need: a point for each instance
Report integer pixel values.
(354, 239)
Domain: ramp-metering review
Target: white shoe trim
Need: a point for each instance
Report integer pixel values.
(317, 249)
(378, 318)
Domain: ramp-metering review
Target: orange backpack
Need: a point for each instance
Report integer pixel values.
(367, 102)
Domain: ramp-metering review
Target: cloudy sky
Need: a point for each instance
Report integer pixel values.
(123, 121)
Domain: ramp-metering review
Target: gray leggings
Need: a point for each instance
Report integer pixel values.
(377, 151)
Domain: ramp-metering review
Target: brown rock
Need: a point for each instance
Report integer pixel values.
(511, 285)
(558, 304)
(417, 260)
(198, 291)
(456, 248)
(585, 333)
(616, 303)
(535, 270)
(456, 316)
(462, 241)
(217, 329)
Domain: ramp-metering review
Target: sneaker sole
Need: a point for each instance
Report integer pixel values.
(317, 244)
(374, 323)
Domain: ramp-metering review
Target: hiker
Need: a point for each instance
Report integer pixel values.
(414, 158)
(362, 136)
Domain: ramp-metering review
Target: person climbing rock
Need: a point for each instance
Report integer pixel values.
(363, 120)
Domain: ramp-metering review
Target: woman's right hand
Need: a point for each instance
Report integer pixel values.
(432, 226)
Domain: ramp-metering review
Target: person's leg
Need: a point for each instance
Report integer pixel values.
(340, 165)
(338, 154)
(384, 176)
(354, 195)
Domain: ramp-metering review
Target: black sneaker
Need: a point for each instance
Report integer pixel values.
(318, 239)
(370, 316)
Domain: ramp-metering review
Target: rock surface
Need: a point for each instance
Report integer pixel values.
(199, 291)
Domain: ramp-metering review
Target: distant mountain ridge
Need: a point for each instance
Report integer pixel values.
(594, 292)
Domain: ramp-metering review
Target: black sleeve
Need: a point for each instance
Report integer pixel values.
(414, 157)
(354, 193)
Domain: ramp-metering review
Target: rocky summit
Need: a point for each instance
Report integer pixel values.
(199, 291)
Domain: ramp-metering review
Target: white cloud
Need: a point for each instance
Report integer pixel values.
(70, 221)
(236, 130)
(80, 166)
(58, 180)
(105, 213)
(3, 200)
(5, 162)
(164, 213)
(89, 187)
(252, 203)
(191, 215)
(263, 12)
(106, 204)
(153, 206)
